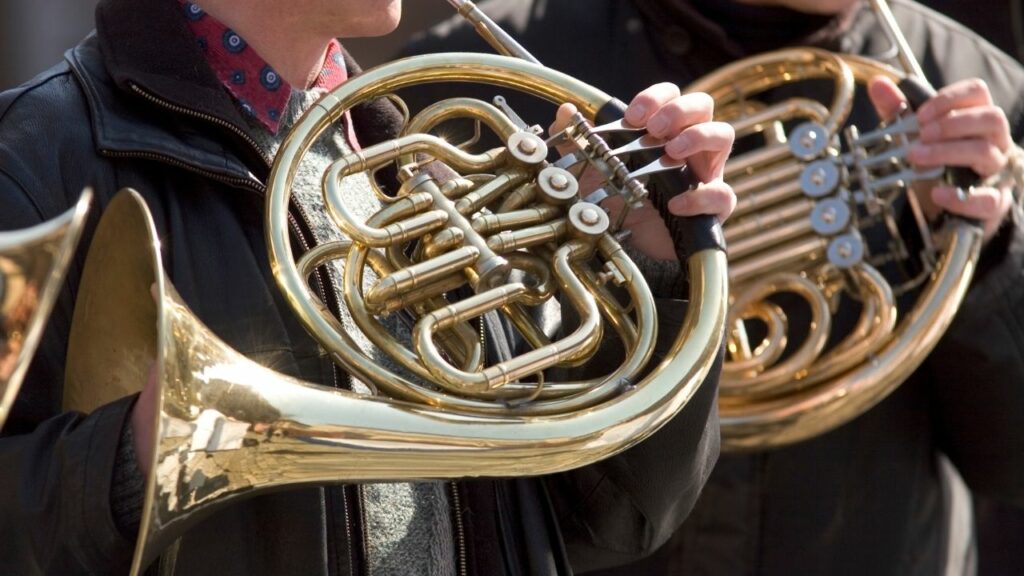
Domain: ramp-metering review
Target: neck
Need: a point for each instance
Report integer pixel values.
(277, 34)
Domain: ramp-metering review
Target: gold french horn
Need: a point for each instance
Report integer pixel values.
(811, 202)
(32, 266)
(510, 230)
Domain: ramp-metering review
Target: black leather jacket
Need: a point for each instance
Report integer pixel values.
(868, 497)
(135, 106)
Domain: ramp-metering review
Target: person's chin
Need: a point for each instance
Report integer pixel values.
(381, 26)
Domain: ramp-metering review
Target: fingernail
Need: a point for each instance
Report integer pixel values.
(635, 114)
(657, 125)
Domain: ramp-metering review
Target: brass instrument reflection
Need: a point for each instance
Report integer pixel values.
(32, 267)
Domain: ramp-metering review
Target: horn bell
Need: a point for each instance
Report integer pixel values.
(32, 266)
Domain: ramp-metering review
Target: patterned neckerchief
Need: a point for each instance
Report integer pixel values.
(259, 90)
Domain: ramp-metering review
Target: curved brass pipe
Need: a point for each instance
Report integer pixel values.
(276, 431)
(464, 108)
(773, 69)
(500, 71)
(814, 410)
(780, 391)
(740, 379)
(226, 428)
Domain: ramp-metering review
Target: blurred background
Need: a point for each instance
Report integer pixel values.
(35, 33)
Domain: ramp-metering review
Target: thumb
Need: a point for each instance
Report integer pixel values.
(886, 96)
(562, 118)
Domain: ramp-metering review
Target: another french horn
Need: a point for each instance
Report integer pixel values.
(510, 231)
(32, 266)
(817, 220)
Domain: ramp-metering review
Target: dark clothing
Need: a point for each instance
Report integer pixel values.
(866, 498)
(1000, 528)
(1001, 22)
(134, 106)
(1000, 532)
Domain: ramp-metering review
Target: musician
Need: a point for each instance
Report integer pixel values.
(870, 497)
(999, 527)
(187, 103)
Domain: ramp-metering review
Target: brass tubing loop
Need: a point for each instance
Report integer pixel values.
(505, 235)
(808, 196)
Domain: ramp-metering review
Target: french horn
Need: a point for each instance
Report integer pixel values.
(509, 231)
(32, 266)
(817, 225)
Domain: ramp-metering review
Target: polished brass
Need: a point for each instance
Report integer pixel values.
(477, 246)
(32, 266)
(500, 236)
(803, 202)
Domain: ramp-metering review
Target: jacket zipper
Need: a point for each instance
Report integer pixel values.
(460, 530)
(295, 223)
(201, 115)
(358, 490)
(300, 231)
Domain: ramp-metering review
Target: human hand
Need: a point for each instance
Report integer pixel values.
(143, 420)
(685, 123)
(959, 126)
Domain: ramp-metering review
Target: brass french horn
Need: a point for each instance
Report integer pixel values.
(510, 230)
(812, 201)
(32, 266)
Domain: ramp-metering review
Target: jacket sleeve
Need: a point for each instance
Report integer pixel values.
(56, 468)
(978, 373)
(977, 369)
(623, 508)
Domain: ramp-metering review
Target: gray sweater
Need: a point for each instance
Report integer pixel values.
(407, 525)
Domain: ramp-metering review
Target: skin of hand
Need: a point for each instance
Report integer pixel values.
(143, 420)
(959, 126)
(685, 122)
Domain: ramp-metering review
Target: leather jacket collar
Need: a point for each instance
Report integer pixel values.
(146, 45)
(125, 122)
(151, 95)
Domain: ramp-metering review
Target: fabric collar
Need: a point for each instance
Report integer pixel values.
(255, 85)
(150, 93)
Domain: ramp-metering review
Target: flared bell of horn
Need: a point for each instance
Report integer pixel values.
(32, 266)
(228, 428)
